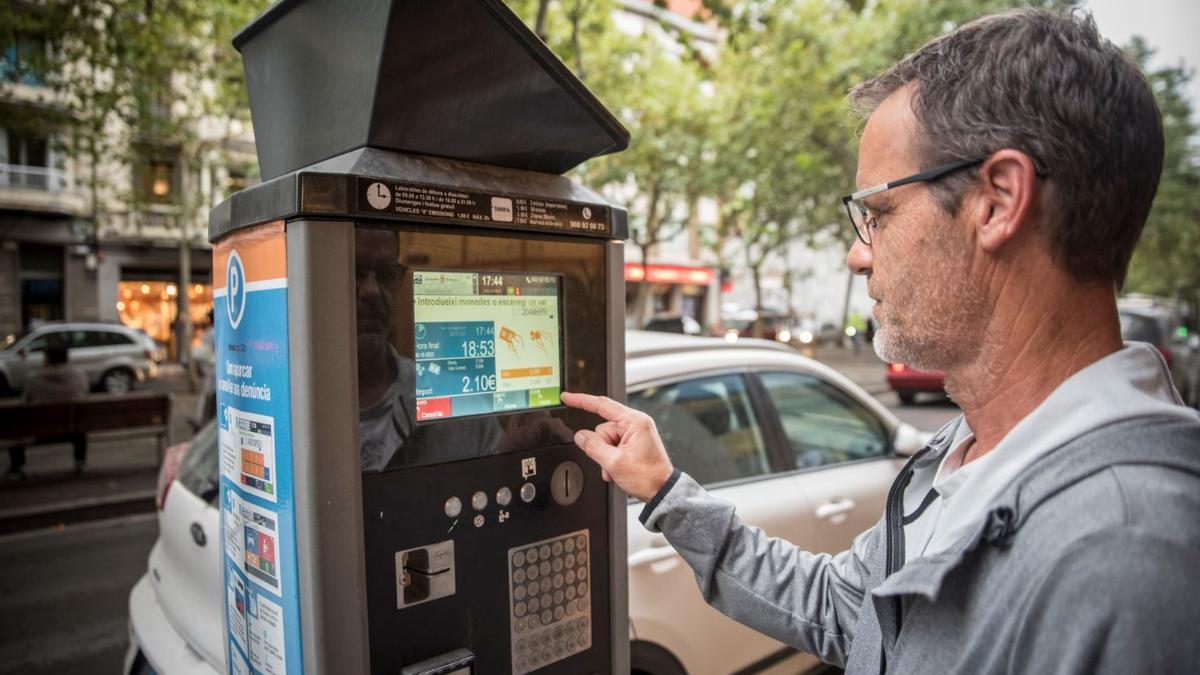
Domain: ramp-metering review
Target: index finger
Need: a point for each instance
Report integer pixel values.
(600, 405)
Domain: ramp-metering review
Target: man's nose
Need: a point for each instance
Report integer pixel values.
(369, 285)
(860, 258)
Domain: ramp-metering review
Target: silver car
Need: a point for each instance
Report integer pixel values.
(114, 357)
(802, 451)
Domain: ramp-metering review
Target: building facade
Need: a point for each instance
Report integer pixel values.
(123, 241)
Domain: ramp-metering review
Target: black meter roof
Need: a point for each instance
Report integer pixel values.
(458, 79)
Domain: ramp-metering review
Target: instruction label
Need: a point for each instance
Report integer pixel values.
(258, 522)
(432, 203)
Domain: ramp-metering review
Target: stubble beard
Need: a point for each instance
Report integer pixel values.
(933, 325)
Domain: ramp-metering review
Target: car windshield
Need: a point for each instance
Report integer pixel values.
(198, 472)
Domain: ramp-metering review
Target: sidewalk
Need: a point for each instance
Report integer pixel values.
(864, 368)
(119, 479)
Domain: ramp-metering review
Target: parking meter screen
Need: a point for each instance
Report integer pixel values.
(485, 342)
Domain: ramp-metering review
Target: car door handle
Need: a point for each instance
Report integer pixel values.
(833, 508)
(657, 551)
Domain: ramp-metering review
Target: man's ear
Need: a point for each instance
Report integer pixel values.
(1006, 197)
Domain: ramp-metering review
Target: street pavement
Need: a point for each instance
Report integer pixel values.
(64, 595)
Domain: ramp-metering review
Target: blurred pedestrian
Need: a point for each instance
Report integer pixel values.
(57, 381)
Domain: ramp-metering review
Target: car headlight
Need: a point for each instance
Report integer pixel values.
(731, 336)
(784, 335)
(806, 337)
(851, 331)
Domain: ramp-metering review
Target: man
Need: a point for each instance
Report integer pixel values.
(58, 381)
(1005, 173)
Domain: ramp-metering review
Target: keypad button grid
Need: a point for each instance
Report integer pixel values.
(549, 591)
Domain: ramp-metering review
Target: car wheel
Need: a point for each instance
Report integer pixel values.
(649, 659)
(907, 397)
(117, 381)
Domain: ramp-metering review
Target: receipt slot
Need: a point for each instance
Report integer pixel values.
(400, 305)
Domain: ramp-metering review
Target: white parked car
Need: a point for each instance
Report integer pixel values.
(115, 358)
(805, 454)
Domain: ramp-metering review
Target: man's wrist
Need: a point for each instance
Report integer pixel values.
(658, 496)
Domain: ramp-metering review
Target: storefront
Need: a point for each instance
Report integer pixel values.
(676, 290)
(152, 307)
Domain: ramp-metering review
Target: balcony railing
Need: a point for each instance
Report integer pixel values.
(41, 178)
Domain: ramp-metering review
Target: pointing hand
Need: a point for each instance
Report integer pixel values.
(626, 446)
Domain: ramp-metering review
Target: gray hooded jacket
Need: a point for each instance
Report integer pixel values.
(1089, 562)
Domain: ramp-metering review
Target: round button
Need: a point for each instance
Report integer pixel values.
(581, 542)
(519, 577)
(503, 496)
(557, 548)
(532, 588)
(534, 606)
(479, 500)
(545, 568)
(581, 558)
(546, 601)
(570, 561)
(531, 572)
(519, 592)
(582, 573)
(520, 608)
(528, 492)
(547, 617)
(558, 581)
(571, 576)
(569, 546)
(452, 507)
(559, 613)
(566, 483)
(522, 663)
(544, 552)
(531, 555)
(582, 588)
(521, 646)
(519, 559)
(558, 597)
(545, 584)
(558, 564)
(570, 592)
(571, 645)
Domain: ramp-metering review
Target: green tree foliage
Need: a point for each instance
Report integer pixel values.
(1167, 259)
(133, 74)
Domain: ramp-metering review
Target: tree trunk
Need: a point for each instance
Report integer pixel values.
(539, 25)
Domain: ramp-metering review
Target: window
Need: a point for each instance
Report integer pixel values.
(823, 425)
(24, 60)
(26, 148)
(38, 344)
(98, 338)
(158, 181)
(708, 427)
(198, 472)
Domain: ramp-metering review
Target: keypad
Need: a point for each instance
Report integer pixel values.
(550, 600)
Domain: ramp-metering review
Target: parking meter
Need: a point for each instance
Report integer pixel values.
(399, 306)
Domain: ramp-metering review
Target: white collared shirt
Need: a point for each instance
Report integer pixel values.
(1129, 383)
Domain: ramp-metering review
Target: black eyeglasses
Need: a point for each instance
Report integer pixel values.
(860, 215)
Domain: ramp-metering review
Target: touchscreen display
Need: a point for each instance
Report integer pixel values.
(485, 342)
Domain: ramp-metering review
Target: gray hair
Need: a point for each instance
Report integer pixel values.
(1045, 83)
